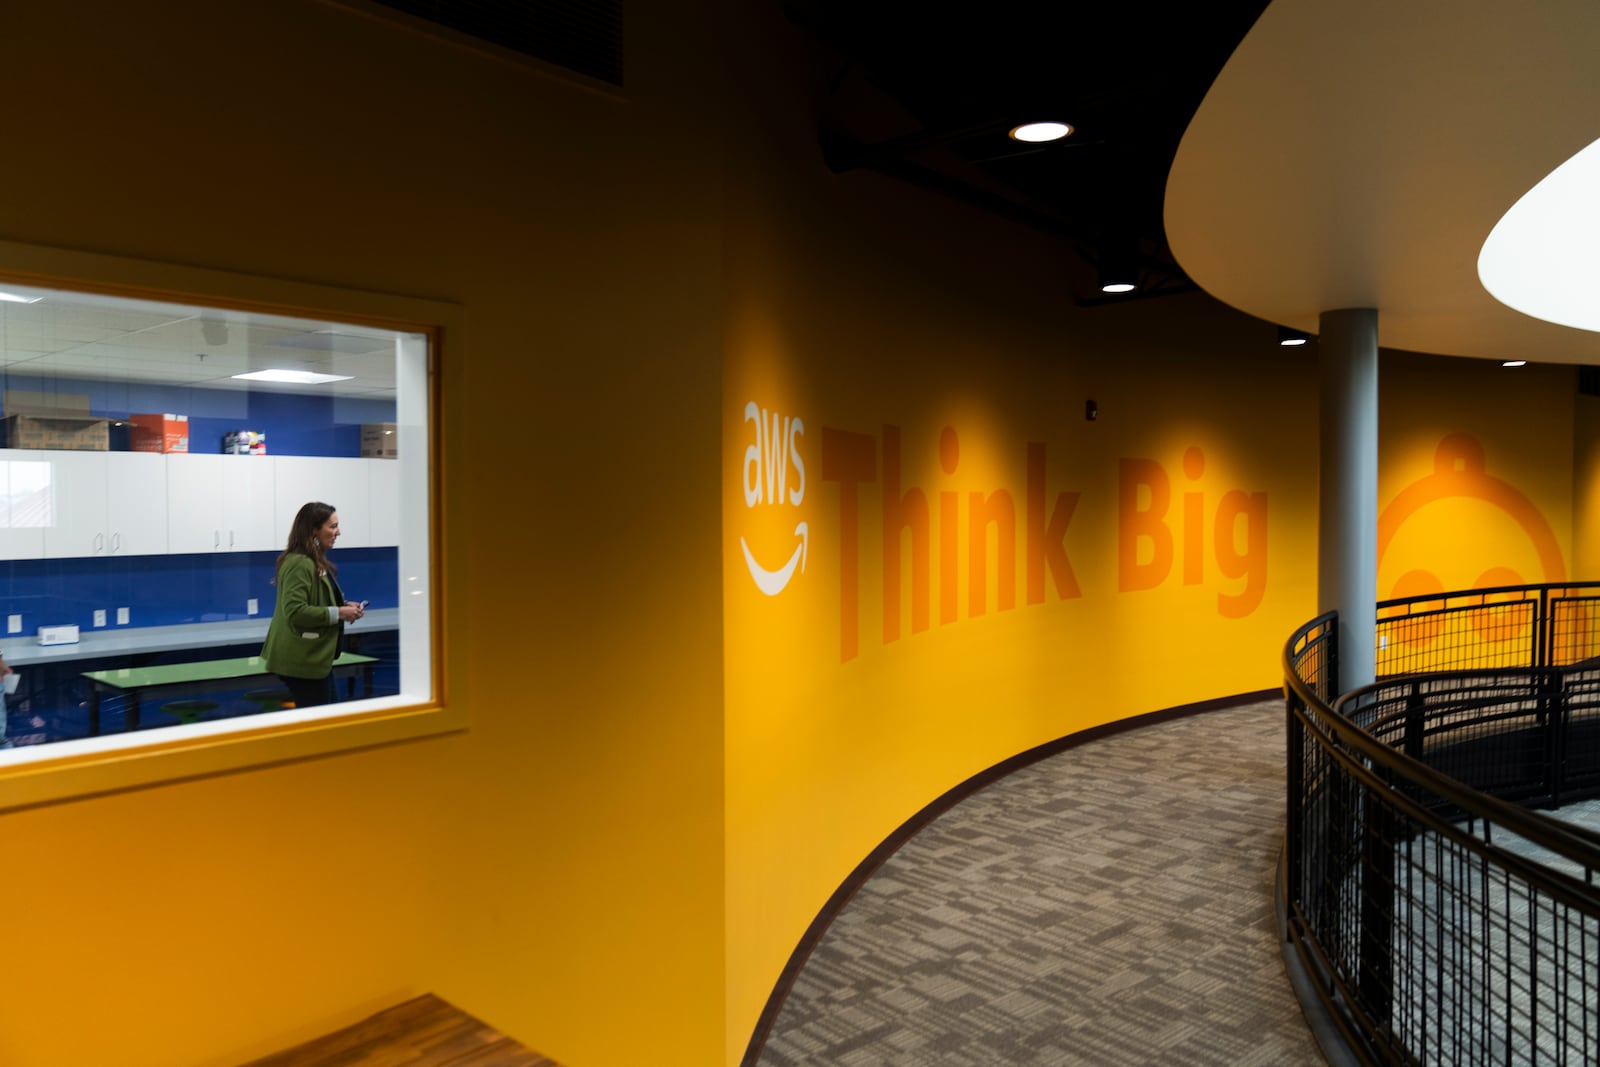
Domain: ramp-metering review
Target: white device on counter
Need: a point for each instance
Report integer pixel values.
(58, 635)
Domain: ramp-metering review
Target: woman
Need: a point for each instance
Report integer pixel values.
(308, 620)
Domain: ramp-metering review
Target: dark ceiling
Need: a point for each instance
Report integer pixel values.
(928, 94)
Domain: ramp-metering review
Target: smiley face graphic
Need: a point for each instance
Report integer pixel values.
(1461, 500)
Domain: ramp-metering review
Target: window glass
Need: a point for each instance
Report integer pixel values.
(153, 459)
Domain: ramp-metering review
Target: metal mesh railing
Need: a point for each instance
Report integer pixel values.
(1441, 921)
(1481, 629)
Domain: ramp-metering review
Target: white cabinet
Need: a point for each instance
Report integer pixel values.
(340, 481)
(58, 504)
(218, 503)
(383, 501)
(107, 504)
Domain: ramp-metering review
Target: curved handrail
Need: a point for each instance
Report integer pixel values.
(1368, 833)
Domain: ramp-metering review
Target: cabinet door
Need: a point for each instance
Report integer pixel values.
(194, 503)
(27, 493)
(218, 503)
(80, 506)
(108, 503)
(248, 503)
(340, 481)
(136, 494)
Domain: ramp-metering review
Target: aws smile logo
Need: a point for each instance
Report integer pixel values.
(768, 461)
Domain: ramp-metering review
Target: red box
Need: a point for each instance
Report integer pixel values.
(158, 433)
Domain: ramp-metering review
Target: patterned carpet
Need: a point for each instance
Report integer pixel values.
(1111, 904)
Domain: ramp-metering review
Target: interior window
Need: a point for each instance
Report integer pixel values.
(154, 458)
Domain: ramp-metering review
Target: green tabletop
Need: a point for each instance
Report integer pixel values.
(211, 670)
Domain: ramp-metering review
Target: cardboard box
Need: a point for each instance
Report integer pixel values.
(53, 420)
(64, 432)
(379, 440)
(27, 402)
(158, 433)
(244, 443)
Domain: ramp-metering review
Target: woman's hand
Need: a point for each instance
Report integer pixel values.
(349, 612)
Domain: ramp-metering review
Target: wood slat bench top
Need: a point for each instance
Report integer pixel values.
(422, 1032)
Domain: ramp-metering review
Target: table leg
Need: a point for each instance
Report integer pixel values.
(133, 709)
(94, 709)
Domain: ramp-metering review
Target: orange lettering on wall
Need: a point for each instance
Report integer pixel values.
(849, 459)
(1047, 550)
(1236, 556)
(1136, 525)
(1249, 562)
(949, 532)
(1194, 541)
(908, 511)
(995, 510)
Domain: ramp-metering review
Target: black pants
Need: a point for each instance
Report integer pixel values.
(309, 692)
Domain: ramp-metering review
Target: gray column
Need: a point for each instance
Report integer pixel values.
(1347, 524)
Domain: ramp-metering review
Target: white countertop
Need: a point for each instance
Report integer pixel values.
(24, 649)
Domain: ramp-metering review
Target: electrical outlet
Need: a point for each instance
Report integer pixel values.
(100, 616)
(122, 616)
(13, 624)
(252, 607)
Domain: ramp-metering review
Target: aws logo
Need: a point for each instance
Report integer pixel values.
(770, 459)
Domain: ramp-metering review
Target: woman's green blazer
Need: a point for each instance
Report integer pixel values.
(301, 643)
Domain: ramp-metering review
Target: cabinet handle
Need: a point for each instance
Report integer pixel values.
(99, 543)
(116, 543)
(216, 539)
(230, 538)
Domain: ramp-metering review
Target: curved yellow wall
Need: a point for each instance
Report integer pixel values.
(1046, 573)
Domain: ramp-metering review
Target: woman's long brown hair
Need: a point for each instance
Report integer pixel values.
(303, 538)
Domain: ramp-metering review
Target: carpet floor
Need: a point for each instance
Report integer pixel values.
(1111, 904)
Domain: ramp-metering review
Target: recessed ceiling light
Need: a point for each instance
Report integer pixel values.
(17, 298)
(293, 377)
(1289, 337)
(1118, 287)
(1515, 363)
(1034, 132)
(1539, 258)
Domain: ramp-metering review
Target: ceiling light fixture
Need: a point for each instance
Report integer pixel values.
(1514, 363)
(1039, 132)
(17, 298)
(1289, 338)
(1118, 270)
(293, 377)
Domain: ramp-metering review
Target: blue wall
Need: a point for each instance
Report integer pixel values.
(168, 590)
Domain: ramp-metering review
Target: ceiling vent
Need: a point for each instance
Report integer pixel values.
(581, 35)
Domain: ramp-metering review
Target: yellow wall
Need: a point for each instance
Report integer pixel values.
(521, 869)
(667, 771)
(1475, 474)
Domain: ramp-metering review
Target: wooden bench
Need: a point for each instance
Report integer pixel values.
(422, 1032)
